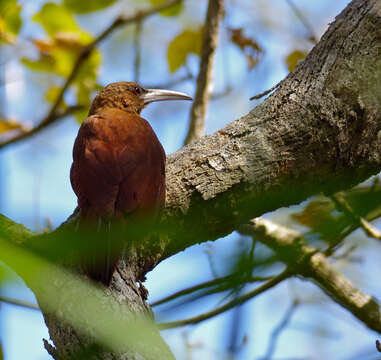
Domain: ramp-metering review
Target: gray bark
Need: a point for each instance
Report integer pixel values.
(319, 131)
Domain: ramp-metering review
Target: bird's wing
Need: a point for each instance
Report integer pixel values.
(117, 160)
(117, 170)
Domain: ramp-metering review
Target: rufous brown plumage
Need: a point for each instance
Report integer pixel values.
(118, 166)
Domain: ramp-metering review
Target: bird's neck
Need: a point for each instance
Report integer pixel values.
(102, 109)
(103, 103)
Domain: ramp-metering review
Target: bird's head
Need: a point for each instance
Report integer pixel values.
(131, 97)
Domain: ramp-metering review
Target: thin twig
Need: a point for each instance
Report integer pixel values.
(17, 302)
(303, 20)
(279, 328)
(82, 57)
(237, 301)
(170, 83)
(221, 94)
(343, 205)
(204, 79)
(208, 251)
(347, 255)
(334, 245)
(264, 93)
(137, 48)
(207, 284)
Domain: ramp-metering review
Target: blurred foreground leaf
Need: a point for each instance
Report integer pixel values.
(83, 7)
(6, 275)
(77, 302)
(187, 42)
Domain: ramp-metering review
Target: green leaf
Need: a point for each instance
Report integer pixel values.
(89, 69)
(83, 91)
(85, 84)
(45, 63)
(52, 94)
(10, 20)
(189, 41)
(56, 18)
(172, 11)
(293, 59)
(58, 61)
(83, 7)
(61, 60)
(81, 115)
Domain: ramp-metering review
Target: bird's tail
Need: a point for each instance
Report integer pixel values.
(102, 251)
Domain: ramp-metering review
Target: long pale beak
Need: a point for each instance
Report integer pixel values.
(151, 95)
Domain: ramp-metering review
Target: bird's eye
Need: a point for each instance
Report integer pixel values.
(136, 90)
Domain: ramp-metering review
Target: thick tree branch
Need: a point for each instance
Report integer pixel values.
(318, 132)
(204, 79)
(84, 54)
(310, 263)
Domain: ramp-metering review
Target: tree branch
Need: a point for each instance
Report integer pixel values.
(17, 302)
(208, 284)
(204, 79)
(84, 54)
(368, 228)
(318, 132)
(310, 263)
(303, 20)
(335, 243)
(279, 328)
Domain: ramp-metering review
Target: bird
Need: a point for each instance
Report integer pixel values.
(118, 169)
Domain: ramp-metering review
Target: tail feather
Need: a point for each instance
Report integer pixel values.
(102, 253)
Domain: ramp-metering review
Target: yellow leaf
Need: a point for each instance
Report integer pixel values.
(43, 45)
(189, 41)
(10, 20)
(52, 94)
(293, 59)
(9, 125)
(55, 18)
